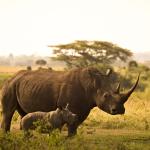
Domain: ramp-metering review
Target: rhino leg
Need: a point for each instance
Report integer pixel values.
(9, 105)
(6, 120)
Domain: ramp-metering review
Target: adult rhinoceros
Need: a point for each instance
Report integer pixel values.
(44, 90)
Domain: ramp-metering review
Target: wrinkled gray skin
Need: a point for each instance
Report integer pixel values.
(54, 119)
(44, 90)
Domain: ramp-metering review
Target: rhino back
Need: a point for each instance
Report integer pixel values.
(38, 91)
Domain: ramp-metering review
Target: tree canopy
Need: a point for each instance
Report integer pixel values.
(85, 53)
(132, 64)
(41, 62)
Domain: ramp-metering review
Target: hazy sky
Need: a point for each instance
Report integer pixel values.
(28, 26)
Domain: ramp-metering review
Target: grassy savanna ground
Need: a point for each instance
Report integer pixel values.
(99, 131)
(100, 139)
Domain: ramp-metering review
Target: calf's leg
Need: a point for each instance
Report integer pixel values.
(72, 130)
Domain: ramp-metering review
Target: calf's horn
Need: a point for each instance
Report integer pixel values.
(67, 106)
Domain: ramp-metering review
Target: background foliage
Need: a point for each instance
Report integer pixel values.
(85, 53)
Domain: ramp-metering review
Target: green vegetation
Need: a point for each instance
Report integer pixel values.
(3, 78)
(85, 140)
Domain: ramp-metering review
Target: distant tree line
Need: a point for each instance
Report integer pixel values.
(31, 60)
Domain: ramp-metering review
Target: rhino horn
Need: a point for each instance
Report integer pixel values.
(126, 95)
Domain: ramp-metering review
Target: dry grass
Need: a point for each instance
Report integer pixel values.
(10, 69)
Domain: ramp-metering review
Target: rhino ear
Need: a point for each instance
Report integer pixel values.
(108, 72)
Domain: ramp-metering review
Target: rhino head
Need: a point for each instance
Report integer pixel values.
(113, 101)
(68, 116)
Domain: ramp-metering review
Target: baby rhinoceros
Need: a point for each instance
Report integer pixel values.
(52, 120)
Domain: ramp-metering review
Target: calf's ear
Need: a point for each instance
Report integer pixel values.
(67, 106)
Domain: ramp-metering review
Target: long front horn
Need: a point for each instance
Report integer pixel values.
(126, 95)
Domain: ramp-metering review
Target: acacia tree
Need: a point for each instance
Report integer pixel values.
(132, 64)
(85, 53)
(41, 62)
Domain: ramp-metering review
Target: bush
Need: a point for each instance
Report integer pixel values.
(132, 64)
